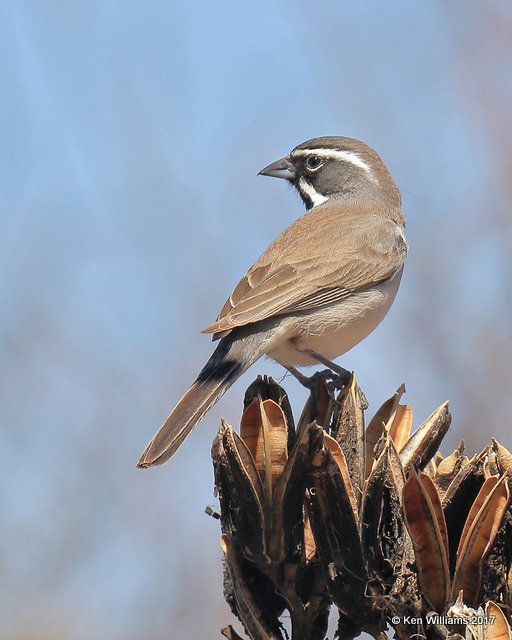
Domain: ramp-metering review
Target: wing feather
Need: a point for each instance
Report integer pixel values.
(325, 256)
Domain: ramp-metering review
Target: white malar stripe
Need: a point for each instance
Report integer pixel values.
(315, 197)
(333, 154)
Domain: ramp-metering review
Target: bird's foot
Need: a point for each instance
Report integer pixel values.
(344, 375)
(333, 380)
(311, 382)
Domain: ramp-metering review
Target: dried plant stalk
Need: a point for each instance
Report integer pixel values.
(370, 519)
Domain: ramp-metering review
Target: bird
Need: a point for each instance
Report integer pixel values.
(319, 288)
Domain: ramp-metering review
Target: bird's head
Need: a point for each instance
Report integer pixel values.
(334, 167)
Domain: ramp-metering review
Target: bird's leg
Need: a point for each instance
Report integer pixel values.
(310, 382)
(343, 375)
(343, 378)
(333, 381)
(318, 406)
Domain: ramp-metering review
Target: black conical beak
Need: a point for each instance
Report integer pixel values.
(280, 169)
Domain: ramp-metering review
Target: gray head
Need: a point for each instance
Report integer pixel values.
(335, 167)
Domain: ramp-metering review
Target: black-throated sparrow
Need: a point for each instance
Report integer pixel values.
(321, 287)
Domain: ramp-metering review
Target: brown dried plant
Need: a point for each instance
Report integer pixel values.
(369, 518)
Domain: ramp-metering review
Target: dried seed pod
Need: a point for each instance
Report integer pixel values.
(422, 445)
(266, 388)
(496, 569)
(240, 490)
(484, 493)
(400, 425)
(503, 457)
(348, 430)
(269, 561)
(427, 527)
(336, 530)
(298, 534)
(286, 521)
(337, 453)
(264, 430)
(457, 501)
(383, 531)
(435, 499)
(377, 425)
(478, 535)
(498, 629)
(255, 602)
(449, 467)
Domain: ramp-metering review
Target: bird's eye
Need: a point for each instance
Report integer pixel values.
(314, 162)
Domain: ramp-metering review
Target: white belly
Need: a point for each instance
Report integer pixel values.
(331, 330)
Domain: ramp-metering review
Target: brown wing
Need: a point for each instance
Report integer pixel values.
(326, 255)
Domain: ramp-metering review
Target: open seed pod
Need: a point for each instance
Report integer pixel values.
(372, 519)
(270, 553)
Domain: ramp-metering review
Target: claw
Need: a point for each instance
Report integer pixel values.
(334, 381)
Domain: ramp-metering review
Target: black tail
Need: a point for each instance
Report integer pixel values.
(226, 365)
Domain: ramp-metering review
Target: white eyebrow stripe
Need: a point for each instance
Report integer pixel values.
(333, 154)
(315, 197)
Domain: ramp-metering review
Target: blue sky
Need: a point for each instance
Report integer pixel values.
(132, 135)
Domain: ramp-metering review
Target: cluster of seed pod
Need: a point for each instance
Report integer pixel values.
(369, 518)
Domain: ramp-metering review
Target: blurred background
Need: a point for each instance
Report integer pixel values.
(131, 135)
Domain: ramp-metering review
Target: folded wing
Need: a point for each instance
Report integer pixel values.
(304, 268)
